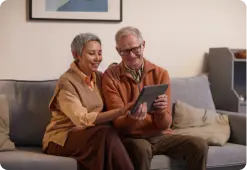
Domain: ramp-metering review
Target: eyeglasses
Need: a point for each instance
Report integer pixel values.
(134, 50)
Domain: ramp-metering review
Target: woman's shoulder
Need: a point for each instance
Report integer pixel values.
(67, 78)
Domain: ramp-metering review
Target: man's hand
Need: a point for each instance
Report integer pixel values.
(160, 104)
(141, 112)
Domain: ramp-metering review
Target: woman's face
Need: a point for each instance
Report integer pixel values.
(91, 57)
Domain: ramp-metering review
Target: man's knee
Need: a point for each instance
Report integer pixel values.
(199, 145)
(140, 148)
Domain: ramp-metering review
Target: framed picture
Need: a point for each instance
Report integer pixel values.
(76, 10)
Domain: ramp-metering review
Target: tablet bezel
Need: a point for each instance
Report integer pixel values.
(149, 94)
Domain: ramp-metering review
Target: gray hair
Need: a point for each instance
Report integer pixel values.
(80, 40)
(125, 31)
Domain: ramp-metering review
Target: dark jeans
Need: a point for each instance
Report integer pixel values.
(192, 150)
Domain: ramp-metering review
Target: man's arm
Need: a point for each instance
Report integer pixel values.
(163, 117)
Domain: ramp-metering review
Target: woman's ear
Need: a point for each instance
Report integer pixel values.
(74, 55)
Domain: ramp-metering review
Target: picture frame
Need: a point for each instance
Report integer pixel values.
(76, 10)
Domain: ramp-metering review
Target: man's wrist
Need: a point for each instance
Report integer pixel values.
(160, 115)
(160, 112)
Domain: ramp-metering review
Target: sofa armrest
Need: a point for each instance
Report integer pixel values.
(237, 125)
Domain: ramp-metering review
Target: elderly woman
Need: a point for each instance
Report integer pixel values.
(78, 127)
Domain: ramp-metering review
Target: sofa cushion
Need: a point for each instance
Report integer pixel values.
(209, 125)
(32, 158)
(186, 115)
(227, 156)
(29, 158)
(5, 142)
(230, 156)
(29, 114)
(194, 91)
(163, 162)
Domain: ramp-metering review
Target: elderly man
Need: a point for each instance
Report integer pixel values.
(146, 134)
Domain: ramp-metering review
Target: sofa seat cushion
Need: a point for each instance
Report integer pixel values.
(163, 162)
(229, 155)
(32, 158)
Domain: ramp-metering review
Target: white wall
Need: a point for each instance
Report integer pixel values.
(177, 32)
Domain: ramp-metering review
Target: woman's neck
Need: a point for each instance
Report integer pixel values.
(84, 71)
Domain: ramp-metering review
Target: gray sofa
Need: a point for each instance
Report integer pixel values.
(29, 115)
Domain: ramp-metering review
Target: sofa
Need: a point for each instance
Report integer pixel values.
(29, 116)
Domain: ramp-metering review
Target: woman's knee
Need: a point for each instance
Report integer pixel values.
(107, 130)
(111, 135)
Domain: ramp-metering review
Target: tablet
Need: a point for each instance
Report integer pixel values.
(148, 95)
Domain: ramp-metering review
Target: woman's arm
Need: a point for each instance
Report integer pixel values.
(112, 114)
(71, 106)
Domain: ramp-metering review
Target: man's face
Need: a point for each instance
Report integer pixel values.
(131, 50)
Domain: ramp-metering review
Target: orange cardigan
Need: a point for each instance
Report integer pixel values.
(119, 89)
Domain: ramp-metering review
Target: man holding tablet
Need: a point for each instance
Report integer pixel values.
(144, 133)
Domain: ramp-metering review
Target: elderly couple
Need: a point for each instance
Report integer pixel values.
(85, 103)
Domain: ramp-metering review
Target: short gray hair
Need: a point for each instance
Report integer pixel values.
(125, 31)
(80, 40)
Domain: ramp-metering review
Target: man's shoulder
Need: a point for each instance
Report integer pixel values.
(112, 72)
(161, 70)
(99, 73)
(158, 69)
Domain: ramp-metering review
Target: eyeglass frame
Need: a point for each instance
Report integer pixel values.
(139, 48)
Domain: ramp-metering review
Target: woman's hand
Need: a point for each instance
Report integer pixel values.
(124, 110)
(141, 112)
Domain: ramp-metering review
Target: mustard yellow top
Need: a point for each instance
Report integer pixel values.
(75, 103)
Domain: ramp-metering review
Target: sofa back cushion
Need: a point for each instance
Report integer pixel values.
(28, 104)
(28, 108)
(194, 91)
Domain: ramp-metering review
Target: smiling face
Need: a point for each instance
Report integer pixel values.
(91, 57)
(130, 48)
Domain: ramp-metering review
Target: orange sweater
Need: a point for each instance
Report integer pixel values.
(119, 89)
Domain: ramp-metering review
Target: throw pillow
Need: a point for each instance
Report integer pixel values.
(209, 125)
(5, 142)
